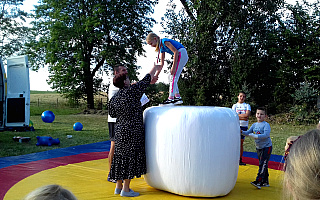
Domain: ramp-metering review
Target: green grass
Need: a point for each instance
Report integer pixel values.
(279, 134)
(95, 129)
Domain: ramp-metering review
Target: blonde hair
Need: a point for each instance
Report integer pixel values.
(151, 36)
(50, 192)
(302, 171)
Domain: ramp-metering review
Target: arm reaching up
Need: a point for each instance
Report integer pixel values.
(152, 72)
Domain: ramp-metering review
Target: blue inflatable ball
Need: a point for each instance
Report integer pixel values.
(77, 126)
(46, 141)
(47, 116)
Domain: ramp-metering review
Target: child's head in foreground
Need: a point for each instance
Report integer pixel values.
(302, 168)
(50, 192)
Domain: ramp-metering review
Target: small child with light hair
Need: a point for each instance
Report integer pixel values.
(302, 167)
(50, 192)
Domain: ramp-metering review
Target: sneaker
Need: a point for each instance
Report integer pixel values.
(242, 163)
(168, 102)
(265, 184)
(178, 100)
(257, 184)
(131, 193)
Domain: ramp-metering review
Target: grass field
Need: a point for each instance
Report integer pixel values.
(95, 129)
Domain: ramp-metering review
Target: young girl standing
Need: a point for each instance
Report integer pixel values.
(180, 58)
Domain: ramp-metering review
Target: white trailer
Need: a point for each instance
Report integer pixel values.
(18, 93)
(2, 96)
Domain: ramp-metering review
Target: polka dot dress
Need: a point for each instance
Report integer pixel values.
(129, 158)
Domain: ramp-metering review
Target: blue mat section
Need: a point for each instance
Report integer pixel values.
(55, 153)
(87, 148)
(275, 158)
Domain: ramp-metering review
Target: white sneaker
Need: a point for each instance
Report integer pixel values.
(168, 102)
(178, 100)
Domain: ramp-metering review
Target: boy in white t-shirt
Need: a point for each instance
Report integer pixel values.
(243, 110)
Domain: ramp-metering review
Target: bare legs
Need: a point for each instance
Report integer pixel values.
(126, 185)
(111, 153)
(241, 152)
(125, 189)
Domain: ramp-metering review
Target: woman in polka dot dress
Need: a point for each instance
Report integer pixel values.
(129, 159)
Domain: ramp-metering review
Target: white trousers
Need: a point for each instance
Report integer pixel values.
(173, 80)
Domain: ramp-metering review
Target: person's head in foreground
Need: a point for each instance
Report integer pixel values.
(302, 168)
(50, 192)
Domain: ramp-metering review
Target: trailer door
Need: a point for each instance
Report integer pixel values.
(2, 96)
(18, 92)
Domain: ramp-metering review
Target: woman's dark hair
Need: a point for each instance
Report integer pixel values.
(119, 79)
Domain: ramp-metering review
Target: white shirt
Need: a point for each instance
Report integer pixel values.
(112, 91)
(242, 108)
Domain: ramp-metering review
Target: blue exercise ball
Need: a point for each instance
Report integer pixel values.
(47, 116)
(77, 126)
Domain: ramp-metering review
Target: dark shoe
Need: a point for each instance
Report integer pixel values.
(242, 163)
(257, 184)
(168, 102)
(178, 100)
(265, 184)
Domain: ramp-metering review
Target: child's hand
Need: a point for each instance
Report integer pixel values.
(254, 136)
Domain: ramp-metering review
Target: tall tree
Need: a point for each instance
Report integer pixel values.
(78, 38)
(295, 51)
(218, 35)
(12, 28)
(267, 48)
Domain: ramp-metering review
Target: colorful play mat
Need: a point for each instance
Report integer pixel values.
(83, 170)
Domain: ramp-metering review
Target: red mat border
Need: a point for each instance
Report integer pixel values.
(14, 174)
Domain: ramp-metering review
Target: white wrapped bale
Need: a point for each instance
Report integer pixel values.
(192, 150)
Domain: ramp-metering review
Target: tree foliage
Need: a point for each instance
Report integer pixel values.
(79, 39)
(267, 48)
(304, 108)
(12, 29)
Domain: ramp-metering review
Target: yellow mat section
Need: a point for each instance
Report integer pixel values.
(87, 180)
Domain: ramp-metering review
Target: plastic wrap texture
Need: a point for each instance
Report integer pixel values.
(192, 150)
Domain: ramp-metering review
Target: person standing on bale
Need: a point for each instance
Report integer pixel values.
(180, 59)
